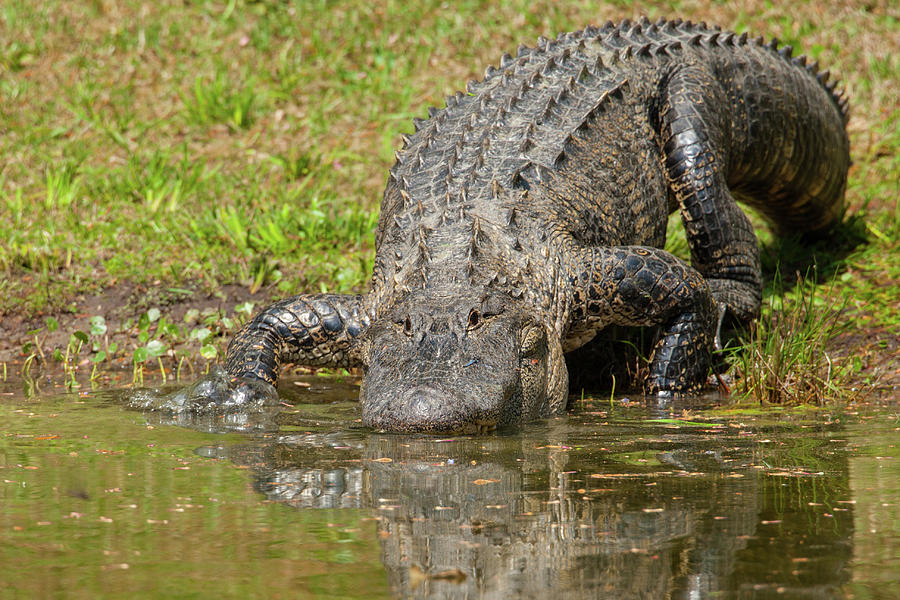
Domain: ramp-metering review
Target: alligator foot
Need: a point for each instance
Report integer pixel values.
(216, 392)
(638, 285)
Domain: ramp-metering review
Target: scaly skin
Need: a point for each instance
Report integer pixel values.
(530, 213)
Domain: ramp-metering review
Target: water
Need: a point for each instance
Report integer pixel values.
(614, 500)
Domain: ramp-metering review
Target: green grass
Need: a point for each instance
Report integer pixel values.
(784, 358)
(200, 146)
(218, 100)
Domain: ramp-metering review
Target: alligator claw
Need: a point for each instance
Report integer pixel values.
(215, 392)
(723, 309)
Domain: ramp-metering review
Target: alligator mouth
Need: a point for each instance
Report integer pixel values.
(476, 428)
(472, 428)
(485, 428)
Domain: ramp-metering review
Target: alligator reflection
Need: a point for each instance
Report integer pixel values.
(577, 506)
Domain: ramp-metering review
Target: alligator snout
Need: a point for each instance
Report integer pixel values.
(429, 410)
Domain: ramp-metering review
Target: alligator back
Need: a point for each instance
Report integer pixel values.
(782, 129)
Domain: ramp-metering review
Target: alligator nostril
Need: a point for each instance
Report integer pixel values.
(474, 320)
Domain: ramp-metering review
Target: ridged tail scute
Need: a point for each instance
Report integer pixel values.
(837, 94)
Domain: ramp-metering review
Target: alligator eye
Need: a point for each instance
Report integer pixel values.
(474, 320)
(407, 326)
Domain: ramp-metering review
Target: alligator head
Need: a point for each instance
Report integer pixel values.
(459, 365)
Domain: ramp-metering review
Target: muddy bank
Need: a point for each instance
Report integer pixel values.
(122, 307)
(873, 353)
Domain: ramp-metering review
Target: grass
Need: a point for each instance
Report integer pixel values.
(784, 358)
(237, 151)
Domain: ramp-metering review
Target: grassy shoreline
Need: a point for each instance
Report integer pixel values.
(167, 163)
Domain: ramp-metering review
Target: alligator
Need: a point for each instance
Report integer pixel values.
(531, 211)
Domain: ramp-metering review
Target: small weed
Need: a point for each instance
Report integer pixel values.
(150, 349)
(70, 360)
(35, 348)
(218, 100)
(15, 56)
(15, 205)
(296, 165)
(63, 186)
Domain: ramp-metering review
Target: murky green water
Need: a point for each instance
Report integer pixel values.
(613, 501)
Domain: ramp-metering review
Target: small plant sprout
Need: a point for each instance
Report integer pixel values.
(70, 362)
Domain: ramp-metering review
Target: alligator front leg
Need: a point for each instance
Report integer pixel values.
(643, 286)
(315, 330)
(696, 137)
